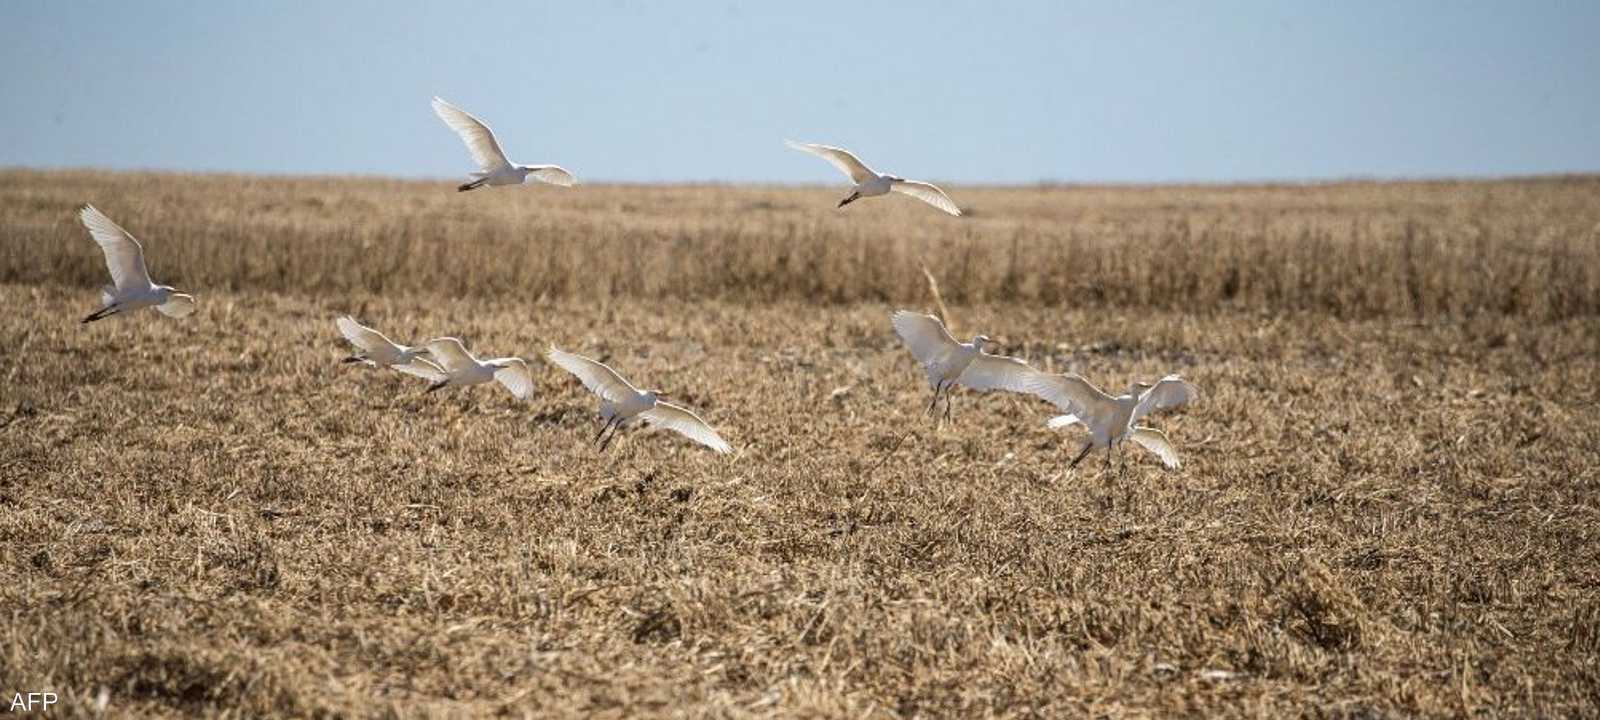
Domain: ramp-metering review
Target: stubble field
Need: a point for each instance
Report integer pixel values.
(1388, 506)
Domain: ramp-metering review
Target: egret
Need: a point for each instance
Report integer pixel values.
(375, 349)
(453, 366)
(871, 184)
(1113, 420)
(950, 363)
(494, 168)
(620, 402)
(131, 287)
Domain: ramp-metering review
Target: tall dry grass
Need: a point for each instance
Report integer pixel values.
(1518, 247)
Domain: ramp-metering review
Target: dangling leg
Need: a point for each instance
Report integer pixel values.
(933, 403)
(353, 359)
(848, 200)
(100, 314)
(947, 403)
(436, 386)
(603, 428)
(475, 184)
(1081, 454)
(607, 442)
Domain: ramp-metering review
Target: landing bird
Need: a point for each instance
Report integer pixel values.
(950, 363)
(375, 349)
(131, 287)
(871, 184)
(1112, 420)
(453, 366)
(495, 169)
(620, 402)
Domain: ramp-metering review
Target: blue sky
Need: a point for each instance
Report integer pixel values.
(979, 92)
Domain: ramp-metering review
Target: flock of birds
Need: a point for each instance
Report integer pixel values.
(446, 362)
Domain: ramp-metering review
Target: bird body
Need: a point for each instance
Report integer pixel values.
(621, 402)
(131, 287)
(1111, 420)
(869, 183)
(494, 168)
(376, 349)
(948, 363)
(453, 366)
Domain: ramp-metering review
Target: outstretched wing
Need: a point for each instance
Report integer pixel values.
(364, 337)
(553, 174)
(124, 255)
(926, 338)
(1156, 441)
(595, 375)
(516, 377)
(478, 137)
(1169, 392)
(849, 164)
(1073, 394)
(997, 372)
(928, 193)
(449, 354)
(424, 369)
(687, 424)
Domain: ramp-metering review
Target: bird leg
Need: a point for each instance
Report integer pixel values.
(100, 314)
(853, 197)
(474, 185)
(436, 386)
(603, 428)
(606, 442)
(1081, 455)
(947, 405)
(353, 359)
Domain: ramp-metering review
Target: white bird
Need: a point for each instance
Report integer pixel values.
(950, 363)
(131, 287)
(375, 349)
(453, 366)
(620, 402)
(871, 184)
(1113, 420)
(494, 168)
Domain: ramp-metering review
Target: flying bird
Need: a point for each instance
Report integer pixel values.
(1113, 420)
(453, 366)
(131, 287)
(871, 184)
(950, 363)
(620, 402)
(375, 349)
(494, 168)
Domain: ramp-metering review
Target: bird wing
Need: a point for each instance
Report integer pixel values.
(840, 158)
(515, 377)
(1061, 421)
(553, 174)
(925, 336)
(450, 355)
(364, 337)
(1156, 441)
(1072, 394)
(997, 372)
(177, 305)
(687, 424)
(424, 369)
(124, 255)
(1169, 392)
(595, 375)
(478, 137)
(928, 193)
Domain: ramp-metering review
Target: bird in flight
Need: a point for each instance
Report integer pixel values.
(131, 287)
(949, 363)
(453, 366)
(494, 168)
(375, 349)
(870, 184)
(1113, 420)
(620, 402)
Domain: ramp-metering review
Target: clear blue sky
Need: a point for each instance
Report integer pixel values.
(1001, 92)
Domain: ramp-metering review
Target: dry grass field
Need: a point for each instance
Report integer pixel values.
(1389, 505)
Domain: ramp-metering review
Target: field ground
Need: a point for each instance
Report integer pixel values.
(1389, 505)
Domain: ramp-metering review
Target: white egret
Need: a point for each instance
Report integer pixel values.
(620, 402)
(453, 366)
(494, 168)
(950, 363)
(871, 184)
(1113, 420)
(131, 287)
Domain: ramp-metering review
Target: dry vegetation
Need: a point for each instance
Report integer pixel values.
(1388, 508)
